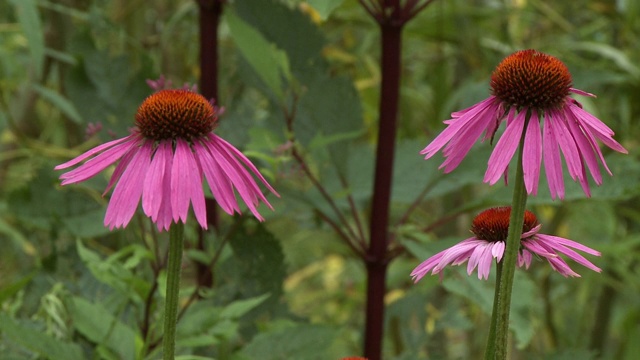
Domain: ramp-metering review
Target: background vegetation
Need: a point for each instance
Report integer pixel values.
(290, 288)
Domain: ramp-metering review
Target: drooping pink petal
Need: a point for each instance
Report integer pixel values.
(458, 253)
(584, 146)
(506, 147)
(466, 137)
(247, 188)
(569, 243)
(164, 217)
(567, 144)
(524, 258)
(95, 165)
(127, 192)
(532, 154)
(552, 164)
(581, 92)
(554, 244)
(186, 185)
(467, 118)
(531, 232)
(476, 258)
(218, 181)
(230, 148)
(497, 251)
(499, 111)
(486, 260)
(559, 246)
(453, 126)
(597, 127)
(95, 150)
(153, 189)
(121, 167)
(540, 249)
(423, 269)
(558, 264)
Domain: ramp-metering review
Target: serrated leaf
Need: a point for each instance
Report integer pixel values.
(254, 251)
(29, 19)
(37, 341)
(271, 63)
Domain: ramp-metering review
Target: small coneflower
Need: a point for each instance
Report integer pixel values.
(490, 229)
(530, 85)
(164, 160)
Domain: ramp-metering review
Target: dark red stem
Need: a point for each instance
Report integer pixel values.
(376, 258)
(210, 12)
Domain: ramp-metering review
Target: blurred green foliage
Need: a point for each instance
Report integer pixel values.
(289, 288)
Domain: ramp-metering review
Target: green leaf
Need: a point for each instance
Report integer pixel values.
(271, 63)
(115, 270)
(35, 340)
(608, 52)
(481, 293)
(96, 323)
(87, 224)
(325, 7)
(254, 268)
(29, 19)
(255, 249)
(295, 34)
(17, 237)
(307, 342)
(238, 308)
(11, 289)
(412, 174)
(59, 101)
(105, 88)
(330, 108)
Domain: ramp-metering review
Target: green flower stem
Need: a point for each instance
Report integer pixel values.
(174, 265)
(491, 341)
(499, 332)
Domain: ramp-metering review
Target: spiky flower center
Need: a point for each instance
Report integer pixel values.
(529, 78)
(171, 114)
(493, 224)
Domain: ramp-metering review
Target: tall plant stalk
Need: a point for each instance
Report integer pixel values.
(209, 23)
(376, 256)
(391, 16)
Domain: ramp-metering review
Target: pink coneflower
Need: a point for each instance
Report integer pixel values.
(530, 85)
(164, 160)
(490, 233)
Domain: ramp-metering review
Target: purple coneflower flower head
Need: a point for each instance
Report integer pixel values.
(490, 229)
(164, 160)
(531, 91)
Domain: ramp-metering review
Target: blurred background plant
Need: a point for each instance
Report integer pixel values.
(72, 74)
